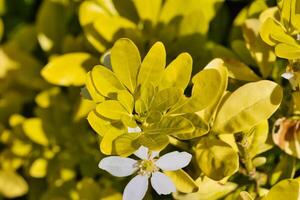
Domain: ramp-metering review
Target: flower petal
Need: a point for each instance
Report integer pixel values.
(134, 130)
(174, 160)
(287, 75)
(118, 166)
(142, 153)
(154, 154)
(162, 184)
(136, 188)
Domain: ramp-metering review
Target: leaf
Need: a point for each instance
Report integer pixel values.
(171, 125)
(105, 82)
(193, 23)
(273, 33)
(240, 48)
(89, 12)
(288, 51)
(178, 72)
(144, 98)
(99, 124)
(107, 142)
(127, 100)
(260, 51)
(245, 196)
(257, 139)
(154, 142)
(111, 109)
(38, 168)
(109, 26)
(205, 82)
(33, 129)
(153, 65)
(208, 114)
(165, 99)
(201, 127)
(127, 143)
(247, 106)
(68, 69)
(90, 91)
(125, 61)
(285, 169)
(12, 185)
(286, 189)
(183, 182)
(148, 10)
(236, 69)
(240, 71)
(51, 25)
(216, 158)
(208, 190)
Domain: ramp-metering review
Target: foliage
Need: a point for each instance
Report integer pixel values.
(89, 81)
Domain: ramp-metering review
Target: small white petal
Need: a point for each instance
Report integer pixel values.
(136, 188)
(174, 160)
(154, 154)
(287, 75)
(134, 130)
(162, 184)
(142, 153)
(118, 166)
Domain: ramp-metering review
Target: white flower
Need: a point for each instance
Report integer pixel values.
(147, 167)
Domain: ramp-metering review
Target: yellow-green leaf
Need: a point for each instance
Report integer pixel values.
(178, 72)
(183, 182)
(248, 106)
(201, 127)
(261, 52)
(204, 93)
(111, 109)
(127, 100)
(98, 123)
(153, 65)
(107, 142)
(125, 61)
(240, 71)
(154, 142)
(216, 158)
(288, 51)
(127, 143)
(38, 168)
(208, 114)
(286, 189)
(273, 33)
(171, 125)
(69, 69)
(12, 185)
(90, 92)
(104, 81)
(51, 25)
(208, 190)
(90, 11)
(33, 128)
(107, 26)
(148, 10)
(166, 98)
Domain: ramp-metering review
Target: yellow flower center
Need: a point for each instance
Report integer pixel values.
(147, 167)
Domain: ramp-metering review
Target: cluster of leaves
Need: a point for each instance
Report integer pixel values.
(216, 101)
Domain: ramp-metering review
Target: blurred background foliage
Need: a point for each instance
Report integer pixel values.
(47, 149)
